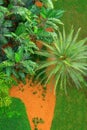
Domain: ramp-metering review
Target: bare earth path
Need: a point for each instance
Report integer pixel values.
(37, 105)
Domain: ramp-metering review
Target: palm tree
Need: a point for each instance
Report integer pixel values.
(67, 63)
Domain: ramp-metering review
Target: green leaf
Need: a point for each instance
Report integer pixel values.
(18, 57)
(1, 15)
(21, 74)
(57, 21)
(8, 23)
(46, 64)
(43, 15)
(8, 71)
(6, 63)
(30, 66)
(20, 29)
(3, 9)
(9, 53)
(15, 73)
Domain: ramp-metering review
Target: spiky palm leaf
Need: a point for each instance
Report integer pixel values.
(48, 3)
(67, 60)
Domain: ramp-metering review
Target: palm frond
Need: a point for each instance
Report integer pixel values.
(67, 60)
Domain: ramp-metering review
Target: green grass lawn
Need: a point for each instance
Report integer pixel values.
(70, 111)
(76, 14)
(14, 117)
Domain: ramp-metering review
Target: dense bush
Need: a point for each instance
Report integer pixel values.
(21, 28)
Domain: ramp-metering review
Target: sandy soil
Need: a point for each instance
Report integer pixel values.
(38, 102)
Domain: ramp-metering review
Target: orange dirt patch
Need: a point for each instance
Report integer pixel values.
(38, 4)
(39, 102)
(39, 44)
(49, 29)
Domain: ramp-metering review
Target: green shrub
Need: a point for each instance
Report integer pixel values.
(20, 29)
(5, 83)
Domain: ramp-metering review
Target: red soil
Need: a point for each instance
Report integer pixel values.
(36, 105)
(38, 4)
(49, 29)
(39, 44)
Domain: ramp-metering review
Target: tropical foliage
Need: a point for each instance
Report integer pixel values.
(67, 60)
(21, 27)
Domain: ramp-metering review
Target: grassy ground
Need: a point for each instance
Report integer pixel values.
(76, 14)
(14, 117)
(70, 112)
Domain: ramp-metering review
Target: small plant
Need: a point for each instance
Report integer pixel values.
(67, 61)
(44, 91)
(44, 88)
(5, 99)
(35, 92)
(5, 83)
(37, 121)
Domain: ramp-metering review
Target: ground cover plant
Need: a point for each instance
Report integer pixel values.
(5, 83)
